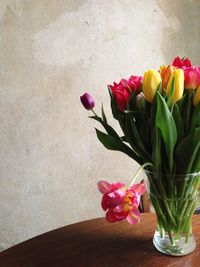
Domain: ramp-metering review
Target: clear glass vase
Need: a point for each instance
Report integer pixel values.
(174, 200)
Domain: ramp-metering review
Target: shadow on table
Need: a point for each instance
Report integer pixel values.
(118, 245)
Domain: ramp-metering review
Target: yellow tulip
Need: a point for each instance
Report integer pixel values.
(178, 76)
(166, 72)
(196, 96)
(151, 81)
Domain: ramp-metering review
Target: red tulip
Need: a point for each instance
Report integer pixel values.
(179, 63)
(192, 77)
(87, 101)
(123, 89)
(134, 83)
(121, 203)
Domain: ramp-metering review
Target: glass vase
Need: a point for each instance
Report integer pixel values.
(174, 199)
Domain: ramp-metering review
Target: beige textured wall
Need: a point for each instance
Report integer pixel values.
(51, 52)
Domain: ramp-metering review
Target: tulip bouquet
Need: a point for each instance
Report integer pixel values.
(159, 115)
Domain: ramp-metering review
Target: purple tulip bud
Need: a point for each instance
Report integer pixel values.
(87, 101)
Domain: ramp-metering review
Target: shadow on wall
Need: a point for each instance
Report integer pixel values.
(183, 19)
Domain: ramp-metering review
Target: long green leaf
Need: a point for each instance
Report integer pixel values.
(103, 115)
(113, 143)
(165, 122)
(156, 149)
(142, 123)
(134, 137)
(155, 138)
(106, 126)
(195, 121)
(196, 163)
(187, 112)
(114, 109)
(179, 122)
(187, 151)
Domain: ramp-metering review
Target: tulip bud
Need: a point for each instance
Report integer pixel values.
(140, 101)
(151, 81)
(87, 101)
(178, 76)
(192, 78)
(166, 73)
(196, 97)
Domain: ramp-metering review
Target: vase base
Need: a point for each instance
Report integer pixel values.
(179, 248)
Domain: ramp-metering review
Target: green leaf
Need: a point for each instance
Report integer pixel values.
(187, 152)
(196, 163)
(142, 123)
(195, 120)
(106, 126)
(165, 122)
(132, 135)
(179, 122)
(133, 131)
(131, 101)
(155, 138)
(182, 103)
(187, 112)
(135, 138)
(160, 88)
(156, 149)
(114, 109)
(113, 143)
(124, 139)
(103, 115)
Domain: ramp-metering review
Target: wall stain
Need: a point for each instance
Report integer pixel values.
(32, 16)
(178, 39)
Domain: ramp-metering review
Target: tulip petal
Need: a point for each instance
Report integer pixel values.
(113, 216)
(106, 187)
(151, 82)
(135, 202)
(133, 217)
(105, 202)
(192, 78)
(139, 188)
(113, 199)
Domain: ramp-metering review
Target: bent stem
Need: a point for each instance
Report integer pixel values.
(138, 172)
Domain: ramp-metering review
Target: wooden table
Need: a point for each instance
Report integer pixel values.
(97, 243)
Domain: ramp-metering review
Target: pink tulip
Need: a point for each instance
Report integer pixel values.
(121, 203)
(192, 77)
(180, 63)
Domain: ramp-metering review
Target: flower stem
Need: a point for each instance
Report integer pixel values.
(138, 172)
(95, 114)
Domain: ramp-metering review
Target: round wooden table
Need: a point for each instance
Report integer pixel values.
(97, 243)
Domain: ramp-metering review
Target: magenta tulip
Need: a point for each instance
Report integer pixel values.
(87, 101)
(122, 90)
(192, 77)
(121, 203)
